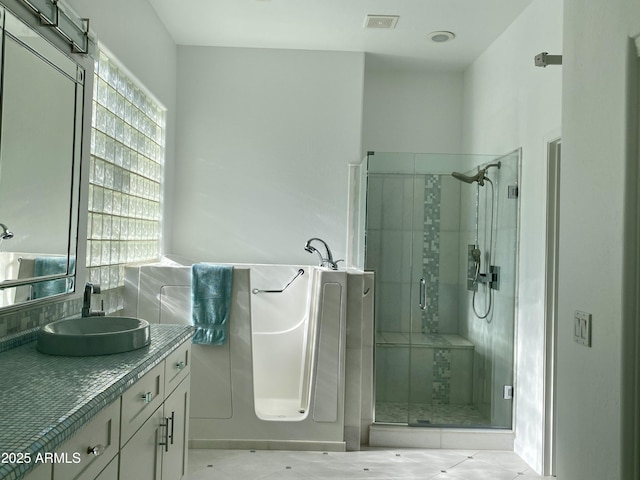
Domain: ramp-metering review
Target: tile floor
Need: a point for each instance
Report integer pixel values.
(378, 463)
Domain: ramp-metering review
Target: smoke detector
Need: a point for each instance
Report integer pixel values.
(381, 21)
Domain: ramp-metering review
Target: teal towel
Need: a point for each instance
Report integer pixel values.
(51, 266)
(210, 302)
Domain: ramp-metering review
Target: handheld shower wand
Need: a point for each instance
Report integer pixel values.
(476, 255)
(486, 278)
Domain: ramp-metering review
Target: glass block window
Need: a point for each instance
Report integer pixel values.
(125, 178)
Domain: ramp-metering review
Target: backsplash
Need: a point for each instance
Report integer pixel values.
(31, 317)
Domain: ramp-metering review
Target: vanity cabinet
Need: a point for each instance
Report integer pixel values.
(154, 443)
(158, 450)
(143, 435)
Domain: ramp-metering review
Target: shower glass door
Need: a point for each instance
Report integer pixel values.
(444, 328)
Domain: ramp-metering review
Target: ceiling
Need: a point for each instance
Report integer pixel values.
(339, 25)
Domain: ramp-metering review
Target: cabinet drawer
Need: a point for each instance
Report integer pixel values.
(177, 367)
(101, 436)
(140, 401)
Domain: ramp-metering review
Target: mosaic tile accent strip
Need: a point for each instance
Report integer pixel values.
(441, 376)
(431, 252)
(45, 399)
(29, 317)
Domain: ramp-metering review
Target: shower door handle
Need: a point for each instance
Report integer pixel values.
(423, 294)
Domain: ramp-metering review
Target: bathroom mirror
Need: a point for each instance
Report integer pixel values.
(41, 125)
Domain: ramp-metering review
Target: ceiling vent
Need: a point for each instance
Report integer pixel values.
(381, 21)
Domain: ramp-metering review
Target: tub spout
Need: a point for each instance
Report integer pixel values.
(327, 261)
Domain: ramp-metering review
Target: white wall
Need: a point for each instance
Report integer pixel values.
(418, 112)
(132, 31)
(509, 103)
(592, 386)
(265, 138)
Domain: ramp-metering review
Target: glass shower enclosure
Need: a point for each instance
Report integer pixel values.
(444, 251)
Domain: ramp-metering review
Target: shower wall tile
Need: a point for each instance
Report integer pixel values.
(395, 213)
(468, 205)
(449, 306)
(418, 202)
(408, 307)
(441, 376)
(392, 374)
(506, 253)
(462, 379)
(421, 374)
(394, 252)
(388, 316)
(449, 256)
(449, 204)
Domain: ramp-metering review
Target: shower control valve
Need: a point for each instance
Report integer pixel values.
(492, 278)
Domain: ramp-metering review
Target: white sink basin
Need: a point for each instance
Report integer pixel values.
(80, 337)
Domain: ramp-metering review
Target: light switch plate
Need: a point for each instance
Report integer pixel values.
(582, 328)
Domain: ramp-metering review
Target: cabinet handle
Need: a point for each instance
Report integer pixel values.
(165, 444)
(97, 450)
(180, 365)
(147, 397)
(173, 421)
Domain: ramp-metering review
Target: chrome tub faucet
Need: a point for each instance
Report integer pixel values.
(327, 261)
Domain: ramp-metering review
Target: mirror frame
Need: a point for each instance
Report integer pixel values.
(78, 196)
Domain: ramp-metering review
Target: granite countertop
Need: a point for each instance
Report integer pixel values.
(45, 399)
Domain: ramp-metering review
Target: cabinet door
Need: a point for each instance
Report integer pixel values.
(91, 448)
(111, 472)
(176, 412)
(141, 457)
(42, 472)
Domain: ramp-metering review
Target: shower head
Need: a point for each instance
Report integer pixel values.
(478, 177)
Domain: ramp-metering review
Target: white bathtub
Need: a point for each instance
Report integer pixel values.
(280, 376)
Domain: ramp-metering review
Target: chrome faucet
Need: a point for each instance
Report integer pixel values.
(327, 261)
(90, 289)
(6, 234)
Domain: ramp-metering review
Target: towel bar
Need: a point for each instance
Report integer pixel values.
(256, 290)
